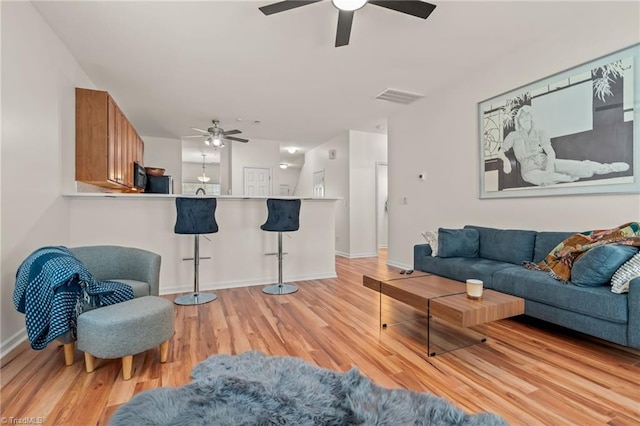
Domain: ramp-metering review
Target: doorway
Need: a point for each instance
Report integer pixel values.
(382, 206)
(257, 181)
(318, 183)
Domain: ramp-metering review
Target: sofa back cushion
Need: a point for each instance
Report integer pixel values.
(547, 241)
(598, 264)
(505, 245)
(458, 242)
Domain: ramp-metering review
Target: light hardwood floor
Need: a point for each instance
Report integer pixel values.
(529, 372)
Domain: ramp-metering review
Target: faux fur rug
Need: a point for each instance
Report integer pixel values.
(254, 389)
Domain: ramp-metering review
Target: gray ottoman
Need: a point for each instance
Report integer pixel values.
(125, 329)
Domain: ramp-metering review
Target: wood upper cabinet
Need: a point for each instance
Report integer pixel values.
(106, 143)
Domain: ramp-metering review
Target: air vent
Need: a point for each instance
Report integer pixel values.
(398, 96)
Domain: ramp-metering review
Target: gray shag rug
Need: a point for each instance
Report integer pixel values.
(254, 389)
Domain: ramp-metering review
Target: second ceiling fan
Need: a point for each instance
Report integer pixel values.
(216, 135)
(346, 9)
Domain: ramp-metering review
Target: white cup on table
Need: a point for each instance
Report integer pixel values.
(474, 289)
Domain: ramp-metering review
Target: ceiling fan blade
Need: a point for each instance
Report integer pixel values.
(194, 136)
(345, 19)
(415, 8)
(231, 138)
(199, 130)
(284, 5)
(232, 132)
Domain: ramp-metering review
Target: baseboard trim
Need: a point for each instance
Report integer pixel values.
(399, 265)
(355, 255)
(13, 342)
(249, 283)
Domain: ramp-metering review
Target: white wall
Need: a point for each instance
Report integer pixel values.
(165, 154)
(352, 176)
(191, 171)
(237, 251)
(336, 182)
(439, 135)
(257, 153)
(365, 149)
(288, 176)
(39, 77)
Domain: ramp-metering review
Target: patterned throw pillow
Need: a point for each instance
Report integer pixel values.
(624, 274)
(432, 239)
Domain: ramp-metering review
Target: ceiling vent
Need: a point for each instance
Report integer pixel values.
(398, 96)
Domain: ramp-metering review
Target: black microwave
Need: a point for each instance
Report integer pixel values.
(139, 176)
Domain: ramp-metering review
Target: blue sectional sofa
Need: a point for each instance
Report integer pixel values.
(501, 252)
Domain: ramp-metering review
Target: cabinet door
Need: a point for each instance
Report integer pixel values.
(127, 158)
(141, 151)
(111, 140)
(122, 137)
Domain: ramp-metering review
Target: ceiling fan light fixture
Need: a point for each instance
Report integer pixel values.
(349, 5)
(217, 141)
(207, 141)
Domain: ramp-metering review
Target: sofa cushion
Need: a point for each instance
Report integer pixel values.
(539, 286)
(505, 245)
(461, 268)
(457, 242)
(597, 265)
(547, 241)
(623, 276)
(431, 237)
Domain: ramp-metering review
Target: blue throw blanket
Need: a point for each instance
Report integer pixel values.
(52, 286)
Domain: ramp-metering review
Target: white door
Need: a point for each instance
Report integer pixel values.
(382, 213)
(257, 181)
(318, 184)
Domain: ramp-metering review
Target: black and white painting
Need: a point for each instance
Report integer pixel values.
(571, 133)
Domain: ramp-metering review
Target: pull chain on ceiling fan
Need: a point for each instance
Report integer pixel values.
(346, 9)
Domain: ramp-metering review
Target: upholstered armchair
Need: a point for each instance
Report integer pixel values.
(136, 267)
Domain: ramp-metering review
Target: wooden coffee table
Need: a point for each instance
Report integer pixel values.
(449, 311)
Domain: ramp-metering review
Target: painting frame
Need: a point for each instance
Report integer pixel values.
(572, 112)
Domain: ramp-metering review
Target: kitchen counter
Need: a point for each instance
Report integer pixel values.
(142, 195)
(238, 251)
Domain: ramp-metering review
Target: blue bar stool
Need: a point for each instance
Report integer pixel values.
(284, 216)
(195, 216)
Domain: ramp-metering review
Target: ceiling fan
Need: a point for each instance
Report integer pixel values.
(346, 8)
(216, 135)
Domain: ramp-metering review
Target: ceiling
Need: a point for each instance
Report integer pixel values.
(176, 65)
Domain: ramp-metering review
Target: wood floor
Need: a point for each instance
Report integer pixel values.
(529, 372)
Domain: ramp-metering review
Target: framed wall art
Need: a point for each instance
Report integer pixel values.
(575, 132)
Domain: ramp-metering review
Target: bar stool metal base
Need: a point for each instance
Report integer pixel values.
(280, 289)
(195, 299)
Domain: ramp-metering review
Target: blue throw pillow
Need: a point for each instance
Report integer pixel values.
(597, 265)
(458, 242)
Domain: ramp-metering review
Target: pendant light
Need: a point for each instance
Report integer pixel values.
(204, 178)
